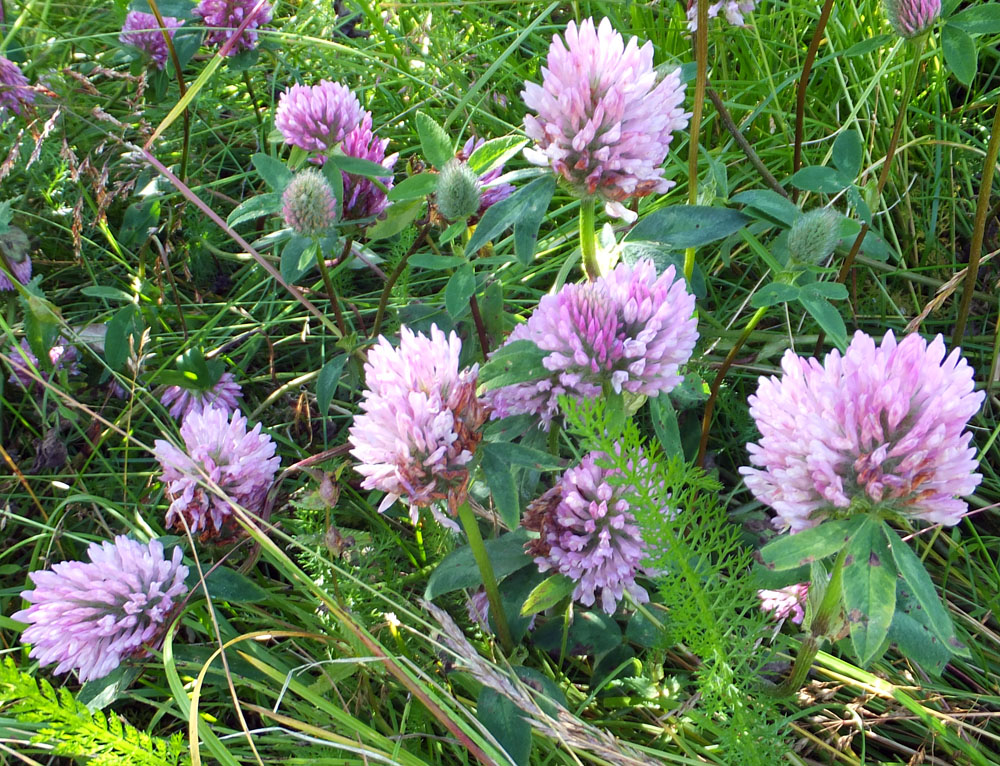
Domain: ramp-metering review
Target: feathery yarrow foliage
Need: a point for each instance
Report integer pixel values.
(239, 463)
(14, 90)
(362, 197)
(89, 616)
(308, 204)
(603, 121)
(72, 730)
(317, 117)
(911, 18)
(877, 427)
(587, 532)
(224, 17)
(628, 331)
(733, 10)
(181, 402)
(421, 421)
(143, 32)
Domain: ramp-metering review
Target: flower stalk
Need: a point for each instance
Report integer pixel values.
(588, 239)
(478, 547)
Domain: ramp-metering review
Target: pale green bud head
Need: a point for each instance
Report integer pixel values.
(458, 191)
(814, 236)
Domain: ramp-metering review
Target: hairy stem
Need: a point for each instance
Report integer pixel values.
(706, 421)
(828, 610)
(588, 239)
(338, 315)
(471, 527)
(978, 227)
(800, 93)
(701, 83)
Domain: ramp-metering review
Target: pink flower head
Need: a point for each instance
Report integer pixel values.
(421, 421)
(142, 31)
(90, 615)
(220, 452)
(785, 602)
(628, 331)
(62, 356)
(14, 247)
(491, 193)
(317, 117)
(587, 532)
(879, 426)
(362, 198)
(604, 122)
(911, 18)
(733, 10)
(14, 90)
(224, 17)
(181, 402)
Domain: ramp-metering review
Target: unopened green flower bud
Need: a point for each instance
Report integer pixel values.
(458, 191)
(814, 236)
(308, 204)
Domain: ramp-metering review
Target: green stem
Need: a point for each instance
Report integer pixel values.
(978, 227)
(706, 421)
(883, 176)
(828, 610)
(471, 527)
(181, 87)
(331, 293)
(588, 240)
(800, 93)
(700, 85)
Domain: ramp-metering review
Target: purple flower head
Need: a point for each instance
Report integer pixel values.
(362, 198)
(62, 356)
(628, 331)
(317, 117)
(733, 10)
(491, 193)
(587, 532)
(14, 90)
(240, 463)
(142, 31)
(604, 122)
(181, 402)
(14, 247)
(421, 421)
(785, 602)
(911, 18)
(308, 204)
(223, 18)
(881, 426)
(88, 616)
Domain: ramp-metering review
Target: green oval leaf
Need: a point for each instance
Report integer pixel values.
(809, 545)
(869, 590)
(459, 569)
(547, 594)
(959, 53)
(683, 226)
(434, 141)
(460, 288)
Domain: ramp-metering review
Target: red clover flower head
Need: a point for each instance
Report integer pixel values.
(309, 206)
(733, 10)
(317, 117)
(789, 601)
(142, 31)
(603, 119)
(627, 331)
(219, 450)
(14, 90)
(421, 421)
(911, 18)
(877, 427)
(587, 531)
(224, 17)
(14, 248)
(362, 198)
(88, 616)
(62, 356)
(181, 402)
